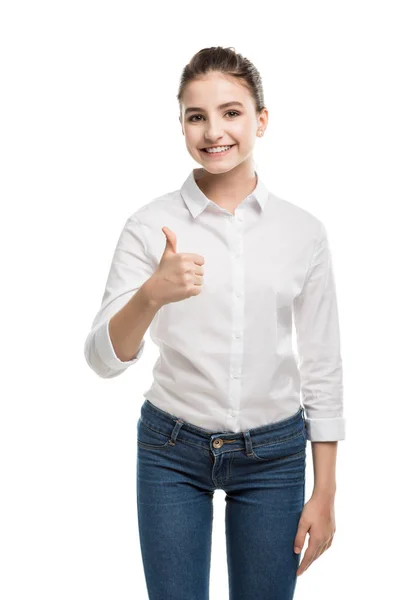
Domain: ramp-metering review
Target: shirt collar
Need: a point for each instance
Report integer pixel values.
(197, 201)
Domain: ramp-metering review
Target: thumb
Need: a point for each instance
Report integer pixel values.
(300, 538)
(170, 246)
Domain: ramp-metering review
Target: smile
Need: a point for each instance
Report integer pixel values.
(218, 151)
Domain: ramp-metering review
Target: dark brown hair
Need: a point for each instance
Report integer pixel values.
(225, 60)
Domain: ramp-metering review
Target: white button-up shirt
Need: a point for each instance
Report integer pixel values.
(227, 361)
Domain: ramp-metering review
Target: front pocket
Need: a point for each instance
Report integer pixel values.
(290, 448)
(150, 438)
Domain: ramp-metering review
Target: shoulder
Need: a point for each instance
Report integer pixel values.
(161, 205)
(296, 217)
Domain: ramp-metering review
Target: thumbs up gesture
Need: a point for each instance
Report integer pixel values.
(178, 275)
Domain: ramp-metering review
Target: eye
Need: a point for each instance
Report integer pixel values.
(235, 112)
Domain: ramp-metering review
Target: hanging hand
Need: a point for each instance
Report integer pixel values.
(318, 519)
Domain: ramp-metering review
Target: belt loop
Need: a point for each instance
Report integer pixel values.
(175, 431)
(247, 443)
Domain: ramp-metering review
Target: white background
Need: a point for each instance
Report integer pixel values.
(89, 133)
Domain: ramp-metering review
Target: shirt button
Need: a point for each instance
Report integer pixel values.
(237, 335)
(238, 294)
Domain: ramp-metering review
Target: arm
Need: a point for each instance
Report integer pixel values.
(320, 364)
(324, 463)
(318, 342)
(128, 326)
(126, 309)
(318, 514)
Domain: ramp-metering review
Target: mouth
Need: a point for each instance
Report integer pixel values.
(215, 153)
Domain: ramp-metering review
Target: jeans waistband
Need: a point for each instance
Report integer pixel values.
(175, 427)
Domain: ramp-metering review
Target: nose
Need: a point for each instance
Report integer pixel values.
(213, 132)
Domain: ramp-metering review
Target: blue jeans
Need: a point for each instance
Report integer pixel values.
(262, 471)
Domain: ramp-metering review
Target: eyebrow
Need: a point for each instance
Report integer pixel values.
(225, 105)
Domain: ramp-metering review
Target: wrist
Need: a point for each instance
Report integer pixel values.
(148, 291)
(324, 493)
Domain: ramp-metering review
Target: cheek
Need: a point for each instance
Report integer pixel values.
(192, 134)
(245, 146)
(190, 144)
(193, 143)
(243, 132)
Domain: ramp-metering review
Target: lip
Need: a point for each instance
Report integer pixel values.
(215, 154)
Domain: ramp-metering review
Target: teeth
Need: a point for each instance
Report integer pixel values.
(218, 149)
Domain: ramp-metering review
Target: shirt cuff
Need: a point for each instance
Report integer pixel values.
(325, 430)
(106, 352)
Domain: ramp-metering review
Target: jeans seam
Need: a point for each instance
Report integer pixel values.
(144, 445)
(280, 440)
(152, 429)
(280, 458)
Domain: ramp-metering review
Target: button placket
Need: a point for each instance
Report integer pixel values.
(237, 261)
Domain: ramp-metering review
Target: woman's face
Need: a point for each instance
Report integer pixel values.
(205, 123)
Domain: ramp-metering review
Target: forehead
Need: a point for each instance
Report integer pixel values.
(213, 89)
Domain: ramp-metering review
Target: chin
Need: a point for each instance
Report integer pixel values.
(221, 168)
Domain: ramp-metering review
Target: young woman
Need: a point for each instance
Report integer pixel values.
(217, 270)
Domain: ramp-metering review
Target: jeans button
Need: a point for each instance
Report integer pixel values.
(217, 443)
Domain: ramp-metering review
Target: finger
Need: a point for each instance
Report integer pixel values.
(317, 554)
(314, 558)
(300, 536)
(198, 280)
(322, 549)
(310, 562)
(198, 259)
(307, 559)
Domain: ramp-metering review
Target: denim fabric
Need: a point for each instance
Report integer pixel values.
(261, 470)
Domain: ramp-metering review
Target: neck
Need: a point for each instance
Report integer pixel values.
(230, 188)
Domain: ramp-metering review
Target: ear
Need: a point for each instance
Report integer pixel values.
(264, 117)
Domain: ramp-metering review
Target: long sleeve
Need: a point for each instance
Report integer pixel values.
(318, 341)
(130, 268)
